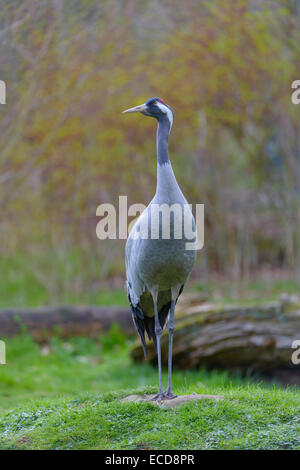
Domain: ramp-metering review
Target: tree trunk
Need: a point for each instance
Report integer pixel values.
(67, 320)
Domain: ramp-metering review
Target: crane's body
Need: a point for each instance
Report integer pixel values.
(157, 267)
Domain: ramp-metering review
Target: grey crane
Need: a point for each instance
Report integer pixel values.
(158, 264)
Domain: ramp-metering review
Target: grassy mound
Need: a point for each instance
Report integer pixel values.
(249, 418)
(43, 405)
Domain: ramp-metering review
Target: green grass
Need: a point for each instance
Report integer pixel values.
(65, 396)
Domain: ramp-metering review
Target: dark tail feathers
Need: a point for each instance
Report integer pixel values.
(143, 323)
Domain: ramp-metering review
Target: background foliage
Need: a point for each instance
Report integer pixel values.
(71, 67)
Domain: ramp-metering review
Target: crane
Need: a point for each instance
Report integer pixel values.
(158, 266)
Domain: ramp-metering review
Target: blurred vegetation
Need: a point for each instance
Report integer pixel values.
(71, 67)
(42, 405)
(22, 286)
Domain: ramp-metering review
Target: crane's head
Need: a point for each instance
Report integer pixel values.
(154, 107)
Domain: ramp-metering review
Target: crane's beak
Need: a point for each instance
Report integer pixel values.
(136, 109)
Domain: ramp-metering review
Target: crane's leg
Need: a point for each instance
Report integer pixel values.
(168, 393)
(175, 292)
(158, 332)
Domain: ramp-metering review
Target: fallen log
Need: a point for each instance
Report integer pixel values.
(68, 321)
(234, 338)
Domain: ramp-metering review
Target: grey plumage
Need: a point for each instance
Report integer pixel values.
(157, 268)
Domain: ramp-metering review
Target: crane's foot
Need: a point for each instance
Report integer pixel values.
(158, 397)
(169, 395)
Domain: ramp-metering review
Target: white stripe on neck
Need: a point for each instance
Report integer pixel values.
(166, 111)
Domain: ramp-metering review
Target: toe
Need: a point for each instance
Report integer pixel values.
(169, 395)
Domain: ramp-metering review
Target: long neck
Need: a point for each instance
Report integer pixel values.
(162, 137)
(166, 181)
